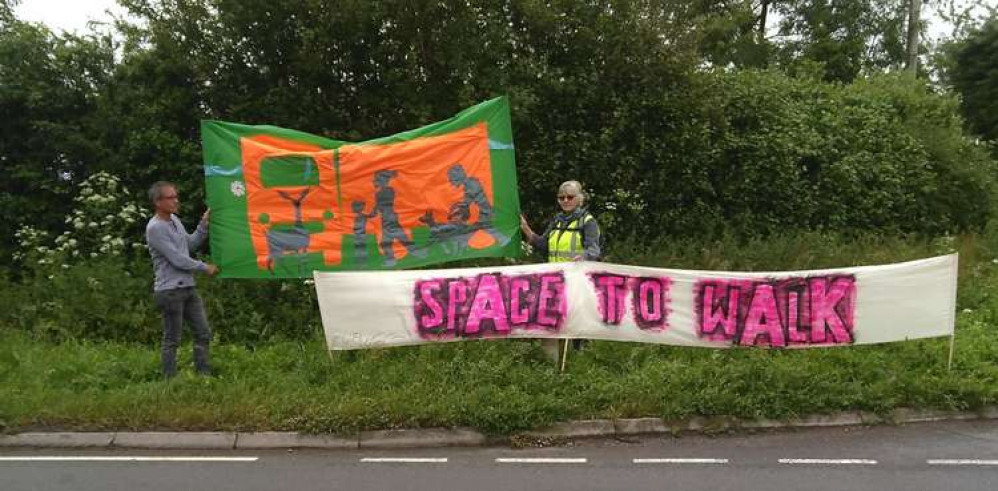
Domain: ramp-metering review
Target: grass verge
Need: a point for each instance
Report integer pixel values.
(501, 387)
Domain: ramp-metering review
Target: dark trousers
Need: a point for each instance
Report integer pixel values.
(177, 305)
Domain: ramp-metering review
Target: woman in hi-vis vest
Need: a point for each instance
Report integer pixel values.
(573, 235)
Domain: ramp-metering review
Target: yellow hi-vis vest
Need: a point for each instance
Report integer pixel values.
(565, 243)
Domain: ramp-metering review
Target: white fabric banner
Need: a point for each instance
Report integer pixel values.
(796, 309)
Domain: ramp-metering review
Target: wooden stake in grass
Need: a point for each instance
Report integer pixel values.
(564, 355)
(952, 347)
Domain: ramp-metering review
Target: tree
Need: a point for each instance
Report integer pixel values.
(49, 88)
(7, 11)
(911, 46)
(847, 37)
(974, 75)
(963, 16)
(732, 33)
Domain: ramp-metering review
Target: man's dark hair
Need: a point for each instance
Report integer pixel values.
(156, 190)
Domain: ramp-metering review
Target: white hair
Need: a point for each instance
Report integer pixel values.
(573, 187)
(156, 190)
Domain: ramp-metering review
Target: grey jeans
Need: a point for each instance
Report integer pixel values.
(177, 305)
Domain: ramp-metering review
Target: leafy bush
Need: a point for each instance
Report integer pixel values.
(759, 153)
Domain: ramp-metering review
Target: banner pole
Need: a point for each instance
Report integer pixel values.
(952, 347)
(564, 355)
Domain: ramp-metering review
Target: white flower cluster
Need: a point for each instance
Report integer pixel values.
(30, 241)
(628, 199)
(103, 214)
(618, 202)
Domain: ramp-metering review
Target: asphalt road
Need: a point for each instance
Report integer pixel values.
(930, 456)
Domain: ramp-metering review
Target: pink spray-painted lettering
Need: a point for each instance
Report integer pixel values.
(649, 299)
(778, 313)
(489, 305)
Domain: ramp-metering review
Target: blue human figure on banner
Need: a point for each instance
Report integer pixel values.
(391, 229)
(360, 232)
(474, 194)
(293, 241)
(454, 234)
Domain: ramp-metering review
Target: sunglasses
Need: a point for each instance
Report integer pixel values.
(566, 197)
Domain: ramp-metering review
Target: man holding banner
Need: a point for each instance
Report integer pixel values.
(170, 247)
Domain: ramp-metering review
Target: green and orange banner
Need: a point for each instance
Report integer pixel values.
(286, 203)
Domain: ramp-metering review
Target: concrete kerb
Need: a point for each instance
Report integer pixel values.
(429, 437)
(704, 424)
(450, 437)
(639, 426)
(288, 439)
(848, 418)
(179, 440)
(904, 415)
(576, 429)
(61, 440)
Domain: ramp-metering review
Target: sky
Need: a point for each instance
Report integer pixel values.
(66, 15)
(72, 15)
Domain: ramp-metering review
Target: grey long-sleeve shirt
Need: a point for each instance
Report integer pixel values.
(170, 247)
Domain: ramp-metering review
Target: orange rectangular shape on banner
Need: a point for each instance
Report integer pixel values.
(385, 189)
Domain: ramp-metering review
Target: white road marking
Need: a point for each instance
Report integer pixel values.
(103, 458)
(830, 461)
(405, 460)
(680, 461)
(961, 462)
(542, 460)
